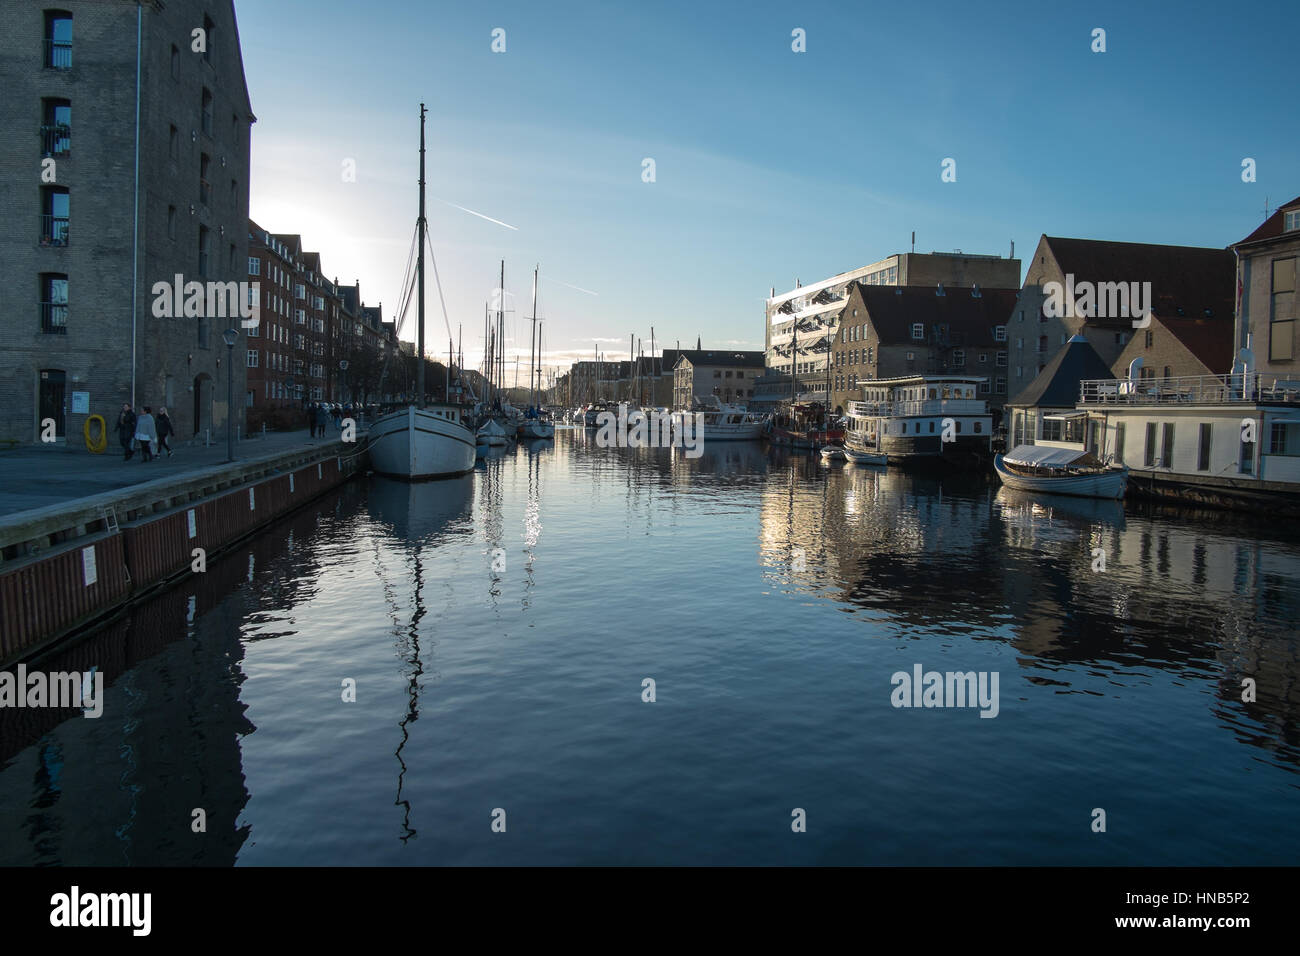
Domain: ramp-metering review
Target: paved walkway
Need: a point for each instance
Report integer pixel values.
(36, 476)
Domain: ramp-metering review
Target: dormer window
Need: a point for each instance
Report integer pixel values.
(1291, 220)
(918, 331)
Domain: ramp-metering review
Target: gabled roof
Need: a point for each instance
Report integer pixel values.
(893, 311)
(1212, 341)
(1187, 278)
(1271, 228)
(1057, 385)
(722, 357)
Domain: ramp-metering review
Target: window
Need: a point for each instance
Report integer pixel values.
(984, 358)
(205, 188)
(173, 143)
(252, 358)
(55, 209)
(871, 354)
(54, 303)
(1042, 343)
(56, 127)
(58, 40)
(1167, 446)
(911, 356)
(1291, 220)
(1148, 339)
(1149, 452)
(299, 341)
(234, 193)
(918, 331)
(1282, 439)
(176, 62)
(717, 373)
(958, 358)
(1000, 384)
(171, 222)
(1002, 360)
(205, 243)
(727, 374)
(1282, 312)
(1119, 443)
(979, 427)
(1000, 333)
(299, 291)
(254, 266)
(205, 111)
(1203, 447)
(1020, 343)
(984, 387)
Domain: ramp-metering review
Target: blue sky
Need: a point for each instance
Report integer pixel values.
(770, 165)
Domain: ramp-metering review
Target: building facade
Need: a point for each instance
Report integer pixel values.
(1266, 274)
(887, 333)
(106, 216)
(727, 376)
(801, 325)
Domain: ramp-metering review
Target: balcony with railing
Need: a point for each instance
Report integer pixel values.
(1190, 390)
(56, 140)
(58, 54)
(54, 318)
(936, 406)
(54, 230)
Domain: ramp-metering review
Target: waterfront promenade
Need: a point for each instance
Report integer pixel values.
(35, 476)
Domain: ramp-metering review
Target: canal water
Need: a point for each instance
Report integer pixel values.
(500, 631)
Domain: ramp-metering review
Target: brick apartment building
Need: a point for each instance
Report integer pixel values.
(888, 332)
(99, 208)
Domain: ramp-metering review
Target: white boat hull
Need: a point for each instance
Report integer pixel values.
(535, 429)
(417, 443)
(491, 434)
(1109, 484)
(865, 457)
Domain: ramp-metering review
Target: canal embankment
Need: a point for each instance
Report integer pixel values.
(65, 566)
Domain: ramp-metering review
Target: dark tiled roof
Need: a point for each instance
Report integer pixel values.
(722, 357)
(1187, 278)
(1271, 227)
(970, 318)
(1057, 385)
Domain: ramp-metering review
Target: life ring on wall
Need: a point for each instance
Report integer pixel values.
(96, 446)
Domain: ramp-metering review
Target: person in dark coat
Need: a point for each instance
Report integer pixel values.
(126, 431)
(164, 426)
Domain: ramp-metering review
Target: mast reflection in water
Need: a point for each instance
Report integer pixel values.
(504, 622)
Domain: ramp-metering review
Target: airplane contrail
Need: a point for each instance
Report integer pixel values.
(473, 213)
(576, 287)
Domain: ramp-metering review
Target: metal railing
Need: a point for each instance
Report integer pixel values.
(1189, 390)
(54, 230)
(54, 318)
(935, 406)
(58, 54)
(56, 139)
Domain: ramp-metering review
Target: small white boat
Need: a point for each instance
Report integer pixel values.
(490, 433)
(532, 428)
(1060, 471)
(421, 443)
(723, 421)
(833, 453)
(865, 457)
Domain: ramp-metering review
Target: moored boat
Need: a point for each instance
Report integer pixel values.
(421, 443)
(1060, 471)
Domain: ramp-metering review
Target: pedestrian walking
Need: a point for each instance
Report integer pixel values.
(311, 419)
(322, 420)
(337, 412)
(146, 433)
(126, 431)
(165, 430)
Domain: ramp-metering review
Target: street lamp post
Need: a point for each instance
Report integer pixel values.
(343, 386)
(231, 336)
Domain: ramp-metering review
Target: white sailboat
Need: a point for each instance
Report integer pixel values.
(421, 442)
(534, 425)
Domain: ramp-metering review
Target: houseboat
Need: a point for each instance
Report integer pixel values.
(919, 418)
(1229, 441)
(804, 425)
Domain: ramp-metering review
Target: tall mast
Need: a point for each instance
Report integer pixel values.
(419, 269)
(501, 328)
(794, 363)
(532, 357)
